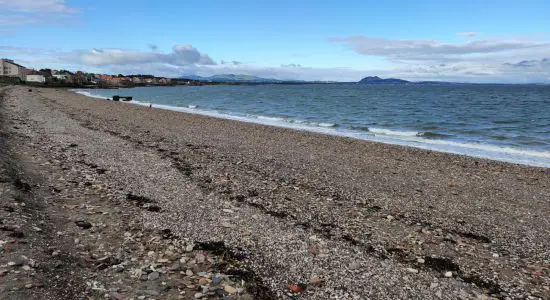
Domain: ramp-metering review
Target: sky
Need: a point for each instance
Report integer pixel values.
(506, 41)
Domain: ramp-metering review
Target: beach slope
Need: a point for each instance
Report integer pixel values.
(280, 212)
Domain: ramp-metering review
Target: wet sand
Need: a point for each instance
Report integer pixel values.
(334, 216)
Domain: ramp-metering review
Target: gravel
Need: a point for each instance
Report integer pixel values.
(289, 213)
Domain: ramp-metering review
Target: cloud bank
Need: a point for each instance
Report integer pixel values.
(181, 55)
(497, 60)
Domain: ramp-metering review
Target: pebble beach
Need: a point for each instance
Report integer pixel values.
(110, 200)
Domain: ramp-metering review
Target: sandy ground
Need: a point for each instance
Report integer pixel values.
(276, 213)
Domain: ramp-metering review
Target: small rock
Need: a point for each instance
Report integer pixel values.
(189, 273)
(119, 268)
(83, 224)
(153, 276)
(175, 267)
(420, 260)
(411, 270)
(116, 296)
(28, 286)
(37, 229)
(199, 295)
(231, 290)
(189, 248)
(26, 268)
(390, 217)
(495, 255)
(316, 280)
(448, 274)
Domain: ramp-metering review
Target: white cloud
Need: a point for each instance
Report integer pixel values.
(435, 51)
(37, 6)
(181, 55)
(17, 13)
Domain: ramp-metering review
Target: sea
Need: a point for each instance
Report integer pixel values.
(508, 123)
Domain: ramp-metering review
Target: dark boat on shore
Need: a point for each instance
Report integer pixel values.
(122, 98)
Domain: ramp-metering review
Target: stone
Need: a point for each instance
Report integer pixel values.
(175, 267)
(420, 260)
(119, 268)
(231, 290)
(83, 224)
(315, 280)
(495, 255)
(200, 258)
(217, 279)
(116, 296)
(189, 273)
(448, 274)
(199, 295)
(412, 270)
(153, 276)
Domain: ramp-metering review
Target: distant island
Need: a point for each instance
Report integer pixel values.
(378, 80)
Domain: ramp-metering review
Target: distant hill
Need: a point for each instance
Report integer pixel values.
(378, 80)
(232, 78)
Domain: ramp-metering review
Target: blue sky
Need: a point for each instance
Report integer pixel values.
(473, 41)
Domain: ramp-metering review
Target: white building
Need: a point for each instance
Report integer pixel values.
(9, 68)
(61, 76)
(35, 78)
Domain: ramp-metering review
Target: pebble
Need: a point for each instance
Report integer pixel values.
(116, 296)
(37, 229)
(199, 295)
(411, 270)
(420, 260)
(189, 273)
(28, 286)
(153, 276)
(448, 274)
(83, 224)
(316, 280)
(231, 290)
(495, 255)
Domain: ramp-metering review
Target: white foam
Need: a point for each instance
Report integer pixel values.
(88, 93)
(384, 131)
(382, 135)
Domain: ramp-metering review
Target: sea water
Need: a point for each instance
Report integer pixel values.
(501, 122)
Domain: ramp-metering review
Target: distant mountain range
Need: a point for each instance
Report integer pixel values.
(229, 78)
(250, 79)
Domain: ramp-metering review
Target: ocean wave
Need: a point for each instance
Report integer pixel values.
(384, 131)
(87, 93)
(433, 135)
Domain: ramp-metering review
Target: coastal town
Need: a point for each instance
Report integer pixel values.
(14, 73)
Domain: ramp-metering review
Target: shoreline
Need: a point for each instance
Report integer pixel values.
(527, 157)
(303, 214)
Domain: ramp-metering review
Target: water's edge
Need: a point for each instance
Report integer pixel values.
(411, 139)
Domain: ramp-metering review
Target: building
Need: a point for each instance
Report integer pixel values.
(62, 76)
(9, 68)
(35, 78)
